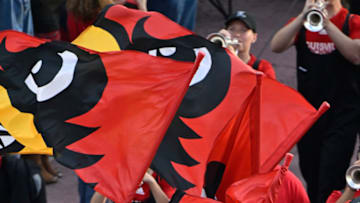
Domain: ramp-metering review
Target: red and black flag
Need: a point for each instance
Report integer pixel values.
(6, 140)
(254, 141)
(218, 91)
(103, 114)
(213, 89)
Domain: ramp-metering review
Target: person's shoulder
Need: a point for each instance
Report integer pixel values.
(264, 62)
(354, 19)
(267, 68)
(296, 187)
(354, 26)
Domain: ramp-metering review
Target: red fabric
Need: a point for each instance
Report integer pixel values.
(0, 161)
(271, 114)
(335, 195)
(131, 2)
(264, 66)
(277, 186)
(257, 189)
(136, 107)
(146, 107)
(234, 147)
(74, 27)
(242, 82)
(252, 189)
(292, 190)
(262, 119)
(196, 199)
(158, 25)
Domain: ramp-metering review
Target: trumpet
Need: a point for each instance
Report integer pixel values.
(314, 19)
(221, 39)
(353, 177)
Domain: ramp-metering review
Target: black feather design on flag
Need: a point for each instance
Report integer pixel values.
(201, 98)
(50, 122)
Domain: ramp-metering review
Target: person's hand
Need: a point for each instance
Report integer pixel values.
(308, 5)
(357, 163)
(148, 178)
(227, 34)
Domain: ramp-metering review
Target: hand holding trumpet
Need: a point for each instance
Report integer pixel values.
(315, 15)
(223, 38)
(353, 176)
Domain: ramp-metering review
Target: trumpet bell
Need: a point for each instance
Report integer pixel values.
(314, 18)
(221, 39)
(353, 177)
(218, 39)
(314, 21)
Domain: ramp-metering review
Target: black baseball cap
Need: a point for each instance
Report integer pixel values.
(244, 17)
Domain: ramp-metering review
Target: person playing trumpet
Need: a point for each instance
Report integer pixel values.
(327, 70)
(240, 28)
(351, 192)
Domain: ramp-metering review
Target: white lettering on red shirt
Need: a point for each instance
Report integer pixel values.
(321, 48)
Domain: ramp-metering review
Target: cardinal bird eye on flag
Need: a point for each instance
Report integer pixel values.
(92, 108)
(216, 94)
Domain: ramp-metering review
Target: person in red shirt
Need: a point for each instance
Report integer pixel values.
(349, 195)
(292, 190)
(327, 70)
(152, 189)
(241, 26)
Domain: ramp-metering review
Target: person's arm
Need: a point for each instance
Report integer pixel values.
(349, 48)
(98, 198)
(142, 5)
(285, 37)
(348, 192)
(346, 196)
(156, 191)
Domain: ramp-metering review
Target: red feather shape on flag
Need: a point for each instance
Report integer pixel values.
(109, 118)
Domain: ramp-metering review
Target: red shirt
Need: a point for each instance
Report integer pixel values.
(335, 195)
(143, 192)
(75, 27)
(264, 66)
(292, 190)
(320, 43)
